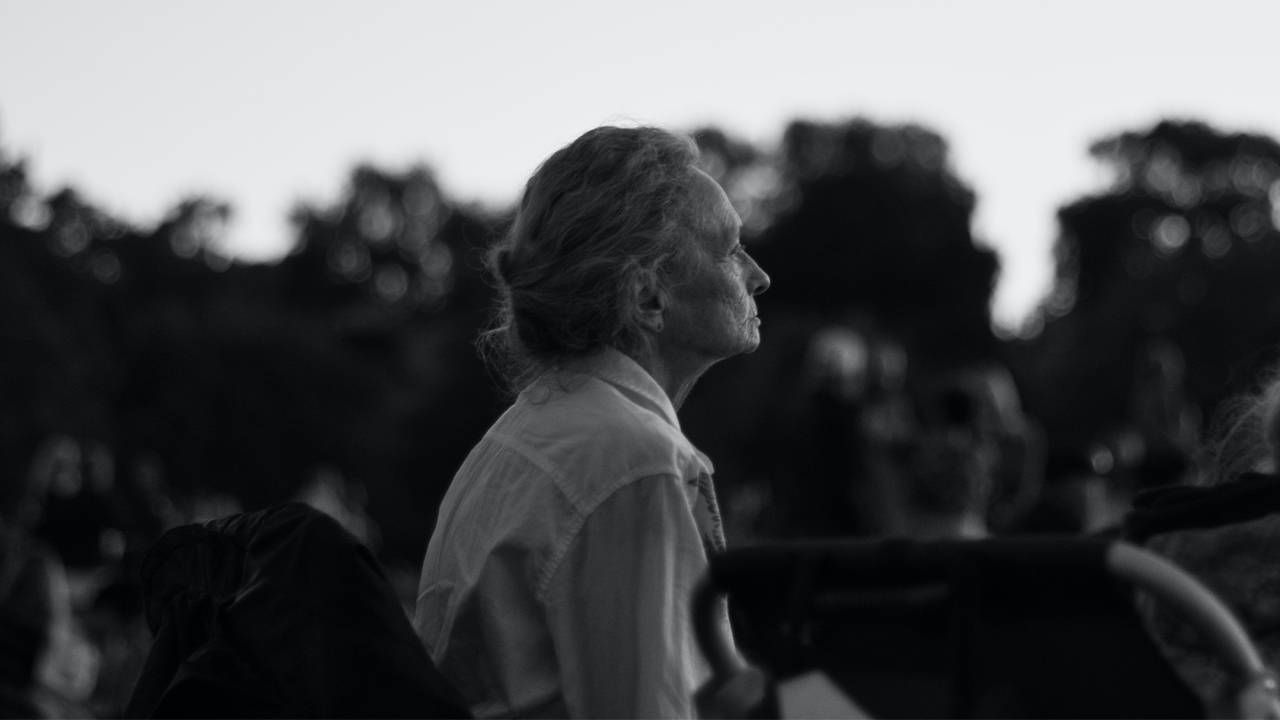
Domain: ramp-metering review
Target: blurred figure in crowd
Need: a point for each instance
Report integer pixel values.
(1165, 418)
(94, 530)
(1225, 529)
(948, 468)
(47, 667)
(73, 505)
(973, 465)
(557, 579)
(1079, 495)
(1161, 445)
(889, 417)
(330, 493)
(828, 495)
(1014, 441)
(948, 485)
(837, 476)
(1088, 490)
(839, 361)
(54, 469)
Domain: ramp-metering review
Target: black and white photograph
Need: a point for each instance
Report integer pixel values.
(708, 359)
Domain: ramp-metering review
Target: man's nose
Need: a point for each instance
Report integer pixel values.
(759, 279)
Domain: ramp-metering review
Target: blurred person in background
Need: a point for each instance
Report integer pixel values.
(973, 464)
(74, 506)
(948, 468)
(1224, 527)
(1166, 425)
(948, 485)
(54, 469)
(77, 515)
(343, 500)
(824, 493)
(1165, 417)
(1085, 491)
(983, 401)
(837, 476)
(889, 417)
(558, 576)
(94, 530)
(47, 667)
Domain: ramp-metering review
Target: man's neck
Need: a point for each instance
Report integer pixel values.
(674, 377)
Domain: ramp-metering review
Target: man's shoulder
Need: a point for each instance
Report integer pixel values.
(598, 440)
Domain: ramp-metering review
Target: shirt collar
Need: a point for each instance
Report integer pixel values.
(619, 370)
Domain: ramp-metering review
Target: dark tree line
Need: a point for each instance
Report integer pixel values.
(351, 353)
(861, 226)
(1170, 269)
(355, 351)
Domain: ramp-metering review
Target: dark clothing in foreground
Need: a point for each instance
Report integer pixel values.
(1188, 507)
(1003, 628)
(1228, 537)
(279, 613)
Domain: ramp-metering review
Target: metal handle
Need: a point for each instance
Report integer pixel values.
(1258, 695)
(715, 646)
(1187, 595)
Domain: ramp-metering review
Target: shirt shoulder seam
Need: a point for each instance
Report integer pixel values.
(581, 516)
(528, 453)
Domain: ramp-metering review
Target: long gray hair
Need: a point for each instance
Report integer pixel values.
(599, 220)
(1246, 433)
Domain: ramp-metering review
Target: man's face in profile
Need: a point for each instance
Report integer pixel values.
(712, 311)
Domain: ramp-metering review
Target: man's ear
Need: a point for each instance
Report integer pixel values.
(651, 303)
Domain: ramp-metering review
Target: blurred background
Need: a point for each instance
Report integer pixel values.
(1020, 253)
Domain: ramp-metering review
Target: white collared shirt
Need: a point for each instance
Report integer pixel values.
(558, 577)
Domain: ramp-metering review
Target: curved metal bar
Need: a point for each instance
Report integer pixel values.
(1173, 585)
(714, 645)
(1258, 695)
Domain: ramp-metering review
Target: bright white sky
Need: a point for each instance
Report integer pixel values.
(140, 102)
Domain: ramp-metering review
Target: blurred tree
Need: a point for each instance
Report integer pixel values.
(198, 227)
(355, 351)
(14, 188)
(394, 267)
(862, 227)
(55, 365)
(877, 223)
(385, 237)
(1170, 270)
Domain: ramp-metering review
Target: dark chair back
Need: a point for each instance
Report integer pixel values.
(279, 613)
(1034, 628)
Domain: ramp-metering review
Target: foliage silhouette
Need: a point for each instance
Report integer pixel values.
(1180, 251)
(244, 379)
(859, 225)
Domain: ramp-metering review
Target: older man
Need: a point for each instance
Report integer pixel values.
(558, 577)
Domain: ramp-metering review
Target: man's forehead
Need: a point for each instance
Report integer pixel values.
(711, 207)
